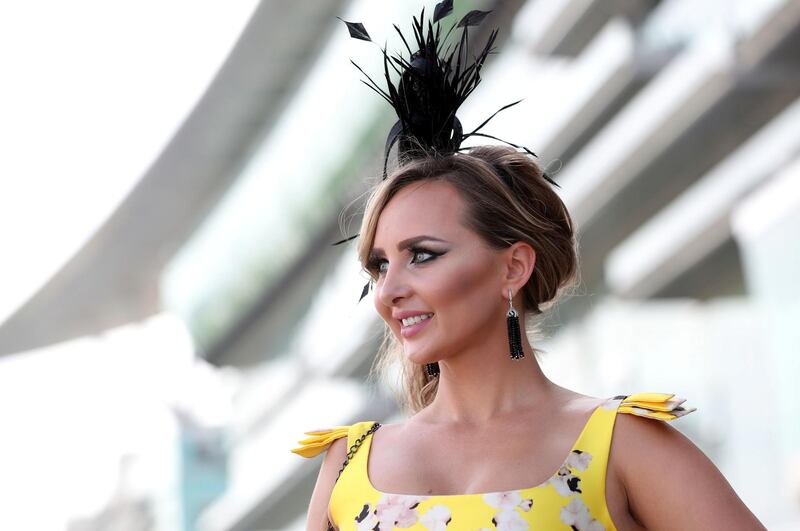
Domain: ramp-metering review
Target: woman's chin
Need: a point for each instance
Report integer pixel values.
(419, 358)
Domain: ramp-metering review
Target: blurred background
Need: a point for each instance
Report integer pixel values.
(173, 315)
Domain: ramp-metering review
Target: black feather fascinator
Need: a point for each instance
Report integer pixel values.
(432, 83)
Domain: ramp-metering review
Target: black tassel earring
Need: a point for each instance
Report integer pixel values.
(432, 368)
(514, 337)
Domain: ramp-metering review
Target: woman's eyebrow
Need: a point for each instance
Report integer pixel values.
(405, 244)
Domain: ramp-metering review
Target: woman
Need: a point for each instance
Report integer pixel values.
(446, 238)
(461, 247)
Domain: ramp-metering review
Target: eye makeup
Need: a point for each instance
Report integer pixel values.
(407, 244)
(375, 261)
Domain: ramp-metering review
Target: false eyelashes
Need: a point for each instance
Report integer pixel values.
(374, 263)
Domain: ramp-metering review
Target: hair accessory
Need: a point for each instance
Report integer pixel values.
(514, 336)
(433, 83)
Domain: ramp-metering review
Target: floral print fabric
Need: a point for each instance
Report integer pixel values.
(507, 508)
(573, 498)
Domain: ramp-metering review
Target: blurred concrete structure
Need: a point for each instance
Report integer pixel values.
(115, 278)
(675, 125)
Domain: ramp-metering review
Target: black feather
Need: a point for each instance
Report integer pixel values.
(473, 18)
(365, 291)
(345, 240)
(404, 39)
(434, 81)
(357, 30)
(431, 87)
(492, 116)
(442, 9)
(374, 86)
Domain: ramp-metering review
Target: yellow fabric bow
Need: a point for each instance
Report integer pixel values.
(661, 406)
(319, 441)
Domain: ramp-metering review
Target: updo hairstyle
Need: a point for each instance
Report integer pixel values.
(507, 200)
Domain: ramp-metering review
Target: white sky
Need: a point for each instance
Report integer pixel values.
(91, 91)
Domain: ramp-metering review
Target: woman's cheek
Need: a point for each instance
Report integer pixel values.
(464, 281)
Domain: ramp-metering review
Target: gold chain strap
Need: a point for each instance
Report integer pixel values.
(353, 449)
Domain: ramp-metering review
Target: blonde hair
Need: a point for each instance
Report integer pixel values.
(507, 200)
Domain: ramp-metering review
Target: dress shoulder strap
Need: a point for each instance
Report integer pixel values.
(660, 406)
(320, 440)
(584, 471)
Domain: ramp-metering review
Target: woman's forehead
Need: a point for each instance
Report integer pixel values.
(423, 196)
(431, 209)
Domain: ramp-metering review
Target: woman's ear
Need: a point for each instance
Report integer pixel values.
(520, 259)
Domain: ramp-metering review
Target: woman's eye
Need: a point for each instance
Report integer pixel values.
(416, 252)
(378, 268)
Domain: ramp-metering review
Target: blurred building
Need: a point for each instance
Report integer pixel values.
(127, 510)
(671, 128)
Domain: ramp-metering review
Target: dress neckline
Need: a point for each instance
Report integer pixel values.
(368, 447)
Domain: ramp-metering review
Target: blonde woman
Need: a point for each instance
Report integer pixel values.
(491, 442)
(462, 245)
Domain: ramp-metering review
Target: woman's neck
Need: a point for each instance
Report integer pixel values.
(478, 387)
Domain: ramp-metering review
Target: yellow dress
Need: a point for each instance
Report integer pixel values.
(573, 498)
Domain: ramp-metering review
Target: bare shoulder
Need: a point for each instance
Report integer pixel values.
(401, 435)
(670, 483)
(573, 401)
(318, 513)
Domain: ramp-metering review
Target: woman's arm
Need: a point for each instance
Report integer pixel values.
(671, 483)
(317, 519)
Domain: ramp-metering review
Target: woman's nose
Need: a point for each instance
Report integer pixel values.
(394, 286)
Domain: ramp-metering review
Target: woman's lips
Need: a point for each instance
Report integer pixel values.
(408, 331)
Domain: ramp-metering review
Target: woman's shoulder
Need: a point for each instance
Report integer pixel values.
(644, 439)
(636, 433)
(661, 469)
(654, 405)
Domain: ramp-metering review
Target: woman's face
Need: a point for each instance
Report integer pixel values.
(427, 262)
